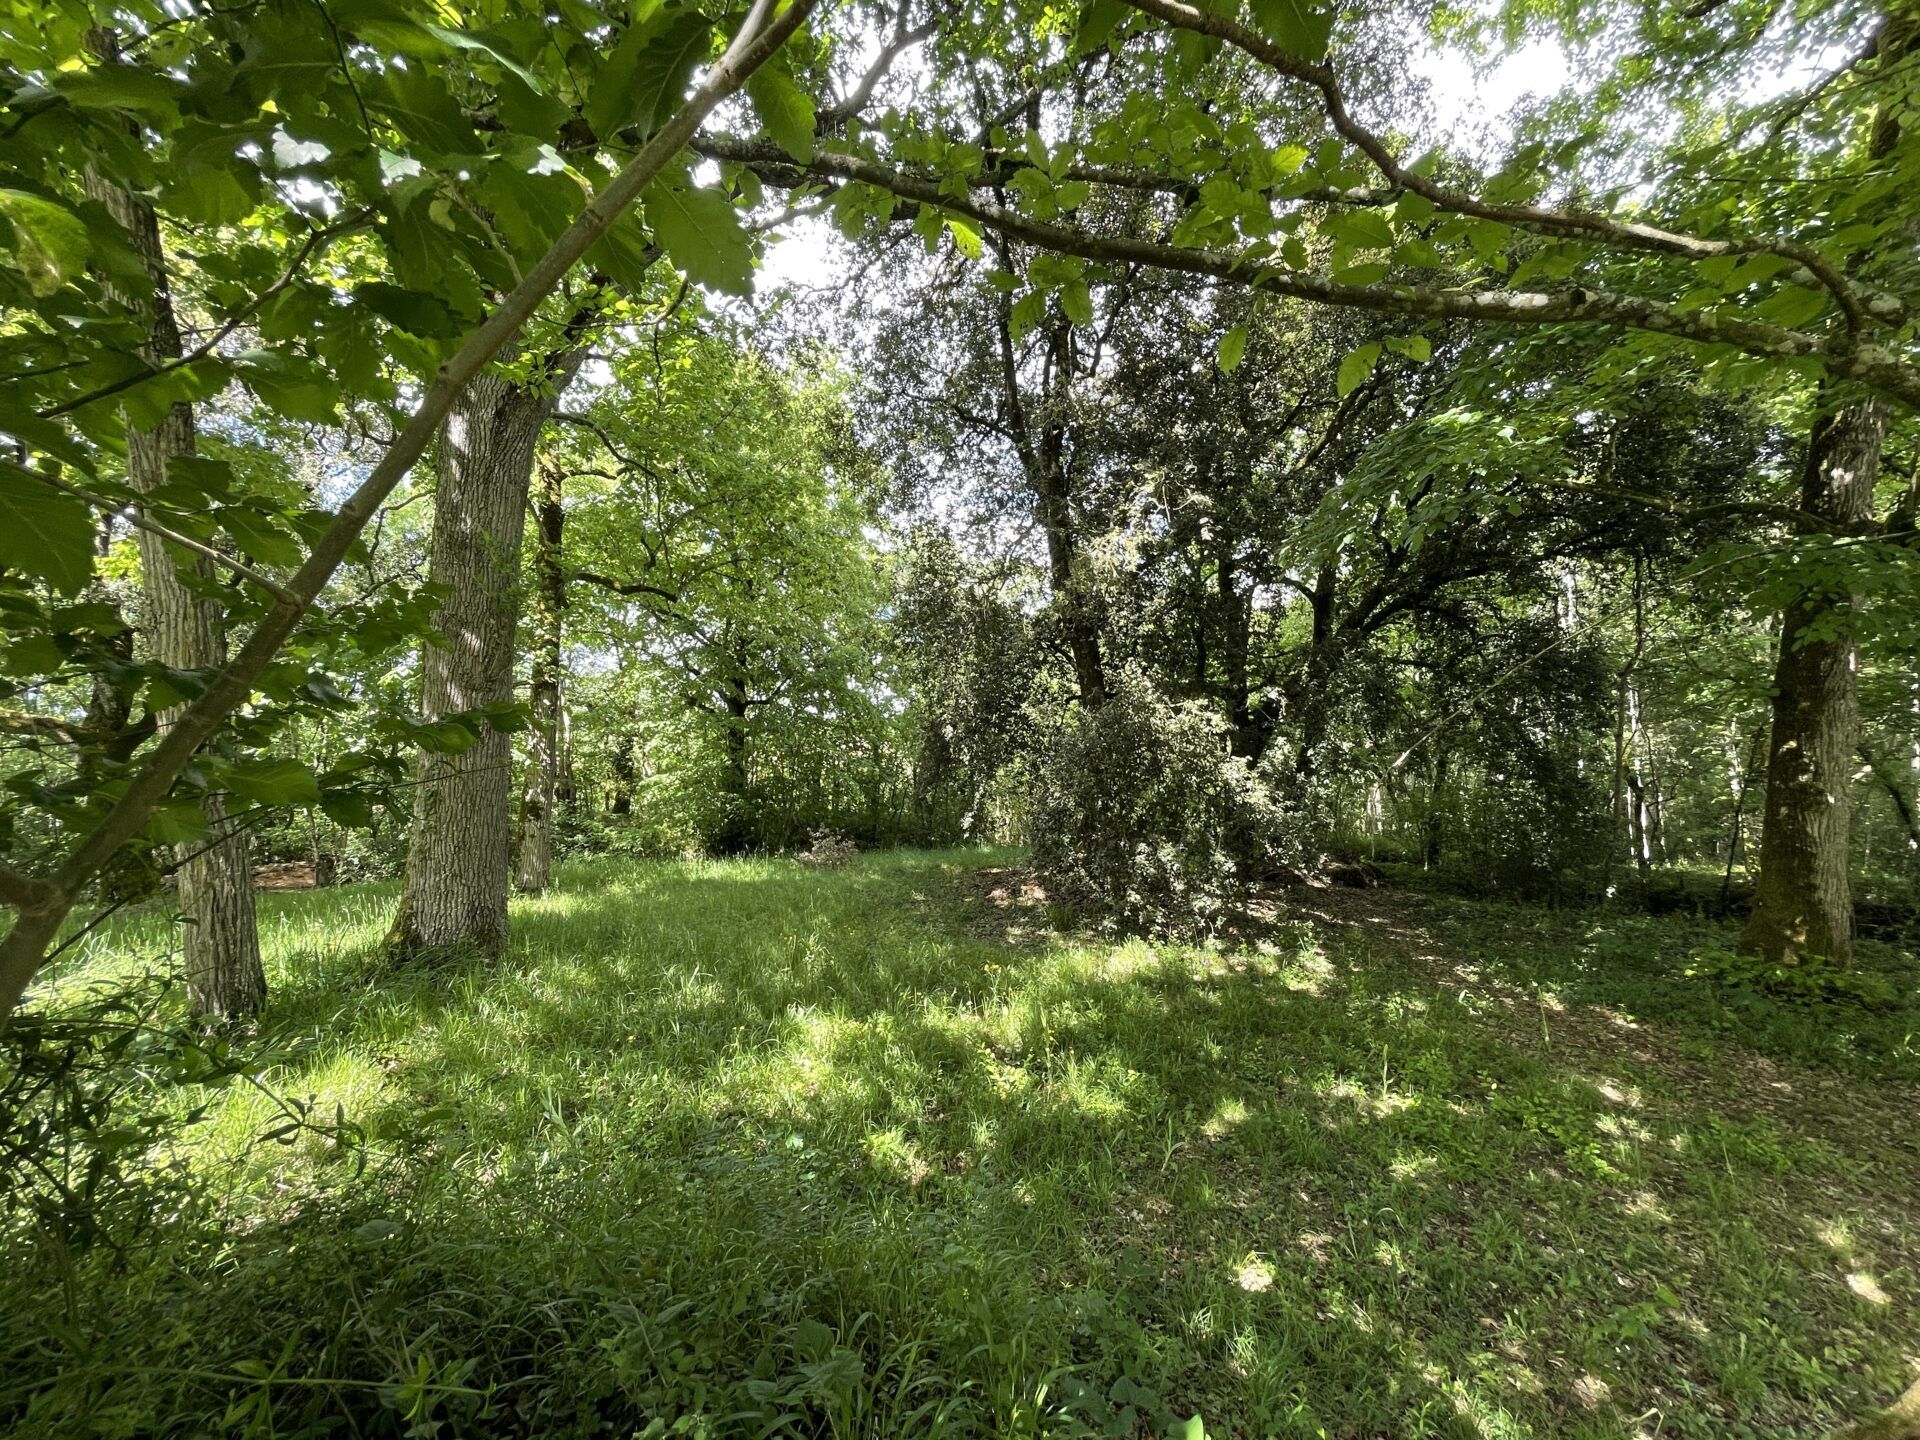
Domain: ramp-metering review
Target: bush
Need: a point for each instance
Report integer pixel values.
(1140, 818)
(829, 849)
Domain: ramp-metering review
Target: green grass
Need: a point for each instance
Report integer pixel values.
(749, 1149)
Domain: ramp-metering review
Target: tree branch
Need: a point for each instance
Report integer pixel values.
(131, 512)
(1874, 366)
(1859, 302)
(315, 240)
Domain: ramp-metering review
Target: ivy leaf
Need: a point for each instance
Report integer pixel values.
(44, 532)
(701, 233)
(1356, 368)
(1233, 348)
(48, 244)
(1301, 29)
(785, 109)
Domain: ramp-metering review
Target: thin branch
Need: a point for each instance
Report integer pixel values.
(140, 520)
(1859, 302)
(314, 241)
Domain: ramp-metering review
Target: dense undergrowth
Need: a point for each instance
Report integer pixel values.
(750, 1149)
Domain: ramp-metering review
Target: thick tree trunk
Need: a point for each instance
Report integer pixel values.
(220, 942)
(534, 871)
(460, 849)
(1803, 901)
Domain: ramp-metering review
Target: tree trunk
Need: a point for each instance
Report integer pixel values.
(221, 943)
(1315, 685)
(1042, 445)
(735, 835)
(459, 852)
(1236, 621)
(534, 871)
(1803, 900)
(621, 803)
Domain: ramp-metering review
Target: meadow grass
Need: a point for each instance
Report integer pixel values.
(747, 1148)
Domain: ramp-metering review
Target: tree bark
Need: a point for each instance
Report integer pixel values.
(220, 941)
(1803, 899)
(534, 870)
(460, 848)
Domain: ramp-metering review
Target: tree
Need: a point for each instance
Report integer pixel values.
(1760, 271)
(55, 241)
(459, 858)
(186, 629)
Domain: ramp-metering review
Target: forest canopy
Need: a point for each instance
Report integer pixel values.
(1206, 453)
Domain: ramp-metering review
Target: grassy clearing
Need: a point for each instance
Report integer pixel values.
(748, 1149)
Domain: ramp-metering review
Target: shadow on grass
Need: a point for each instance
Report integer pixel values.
(799, 1152)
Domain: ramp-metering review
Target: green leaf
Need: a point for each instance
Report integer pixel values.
(45, 532)
(966, 239)
(178, 820)
(647, 73)
(1233, 347)
(257, 537)
(1303, 30)
(1356, 368)
(1363, 229)
(1414, 347)
(1076, 301)
(48, 243)
(1098, 20)
(480, 44)
(785, 109)
(274, 782)
(413, 311)
(701, 233)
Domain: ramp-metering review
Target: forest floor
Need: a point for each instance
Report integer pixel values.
(748, 1148)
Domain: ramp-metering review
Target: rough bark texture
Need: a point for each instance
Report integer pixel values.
(220, 942)
(459, 851)
(1803, 902)
(533, 871)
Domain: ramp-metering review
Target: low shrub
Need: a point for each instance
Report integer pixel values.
(1140, 818)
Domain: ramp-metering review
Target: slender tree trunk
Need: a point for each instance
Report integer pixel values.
(1042, 445)
(539, 785)
(1737, 840)
(621, 803)
(1803, 899)
(1433, 829)
(184, 629)
(1236, 620)
(460, 848)
(1316, 681)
